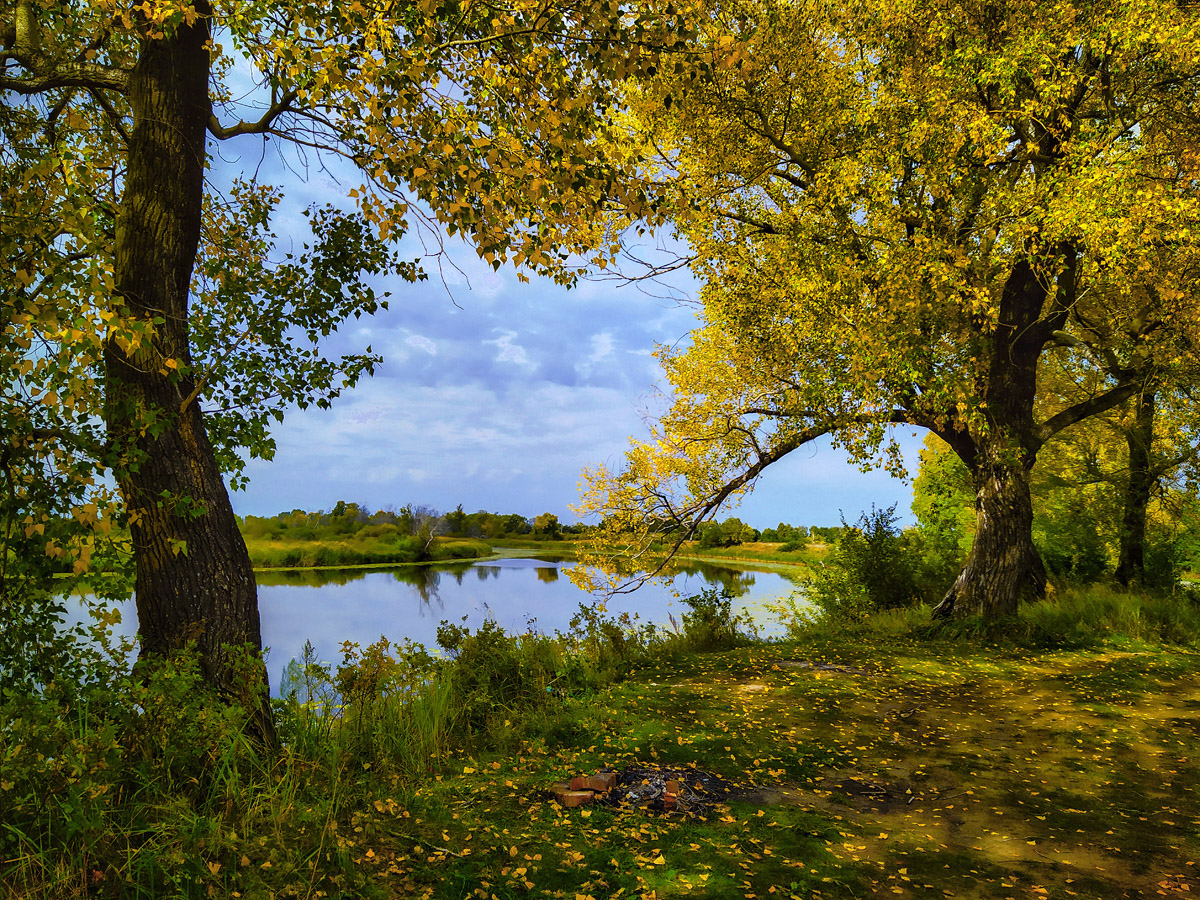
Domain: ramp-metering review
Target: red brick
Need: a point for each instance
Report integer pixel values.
(571, 799)
(672, 787)
(581, 783)
(602, 781)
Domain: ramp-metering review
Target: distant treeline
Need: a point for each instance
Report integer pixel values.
(352, 519)
(346, 520)
(734, 531)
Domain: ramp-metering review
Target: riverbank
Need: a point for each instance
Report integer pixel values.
(1050, 757)
(369, 552)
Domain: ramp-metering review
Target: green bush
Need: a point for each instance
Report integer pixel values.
(871, 568)
(710, 624)
(496, 677)
(603, 649)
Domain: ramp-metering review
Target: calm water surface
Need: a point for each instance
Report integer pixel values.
(330, 606)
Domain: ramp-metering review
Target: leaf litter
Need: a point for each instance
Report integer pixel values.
(941, 772)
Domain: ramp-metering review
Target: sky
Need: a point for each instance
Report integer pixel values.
(496, 394)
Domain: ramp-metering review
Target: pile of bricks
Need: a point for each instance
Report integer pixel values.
(584, 789)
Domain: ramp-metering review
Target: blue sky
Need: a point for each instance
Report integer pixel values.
(496, 393)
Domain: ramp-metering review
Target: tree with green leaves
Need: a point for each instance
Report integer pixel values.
(896, 212)
(141, 327)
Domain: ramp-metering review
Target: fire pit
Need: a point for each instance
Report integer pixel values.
(661, 789)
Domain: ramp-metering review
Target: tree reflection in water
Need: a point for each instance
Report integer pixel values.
(426, 579)
(735, 581)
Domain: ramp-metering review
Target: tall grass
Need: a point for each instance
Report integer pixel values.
(1075, 617)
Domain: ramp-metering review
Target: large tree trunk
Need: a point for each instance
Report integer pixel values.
(1131, 567)
(1004, 568)
(194, 580)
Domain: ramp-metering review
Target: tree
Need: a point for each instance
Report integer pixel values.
(896, 213)
(493, 117)
(546, 526)
(456, 522)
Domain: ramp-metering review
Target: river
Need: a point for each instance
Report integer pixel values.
(329, 606)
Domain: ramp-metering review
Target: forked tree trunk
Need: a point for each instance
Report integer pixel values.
(194, 580)
(1003, 568)
(1131, 567)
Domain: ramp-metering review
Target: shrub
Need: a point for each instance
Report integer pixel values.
(494, 676)
(871, 568)
(711, 625)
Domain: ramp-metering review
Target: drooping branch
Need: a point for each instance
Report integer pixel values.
(685, 521)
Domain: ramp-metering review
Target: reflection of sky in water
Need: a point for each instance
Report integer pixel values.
(332, 606)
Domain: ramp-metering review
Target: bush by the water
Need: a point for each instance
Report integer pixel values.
(710, 624)
(872, 567)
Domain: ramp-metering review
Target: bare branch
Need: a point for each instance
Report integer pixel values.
(262, 126)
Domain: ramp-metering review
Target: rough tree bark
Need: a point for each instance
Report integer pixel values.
(1131, 567)
(1004, 568)
(194, 580)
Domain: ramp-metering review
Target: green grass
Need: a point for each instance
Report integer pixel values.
(267, 553)
(1050, 757)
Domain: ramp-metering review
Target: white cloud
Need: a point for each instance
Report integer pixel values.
(421, 343)
(508, 351)
(602, 346)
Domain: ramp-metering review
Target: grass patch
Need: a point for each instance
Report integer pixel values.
(900, 761)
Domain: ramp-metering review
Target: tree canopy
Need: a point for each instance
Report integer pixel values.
(123, 358)
(897, 210)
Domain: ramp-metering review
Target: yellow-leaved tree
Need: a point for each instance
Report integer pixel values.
(896, 209)
(121, 356)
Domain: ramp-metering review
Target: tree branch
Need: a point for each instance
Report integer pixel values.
(1082, 410)
(22, 42)
(262, 126)
(689, 518)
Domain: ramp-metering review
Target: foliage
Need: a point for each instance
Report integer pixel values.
(896, 214)
(871, 568)
(710, 625)
(943, 502)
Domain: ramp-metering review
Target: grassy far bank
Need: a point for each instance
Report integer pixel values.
(367, 549)
(1048, 758)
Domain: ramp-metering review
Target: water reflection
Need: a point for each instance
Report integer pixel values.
(737, 581)
(330, 606)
